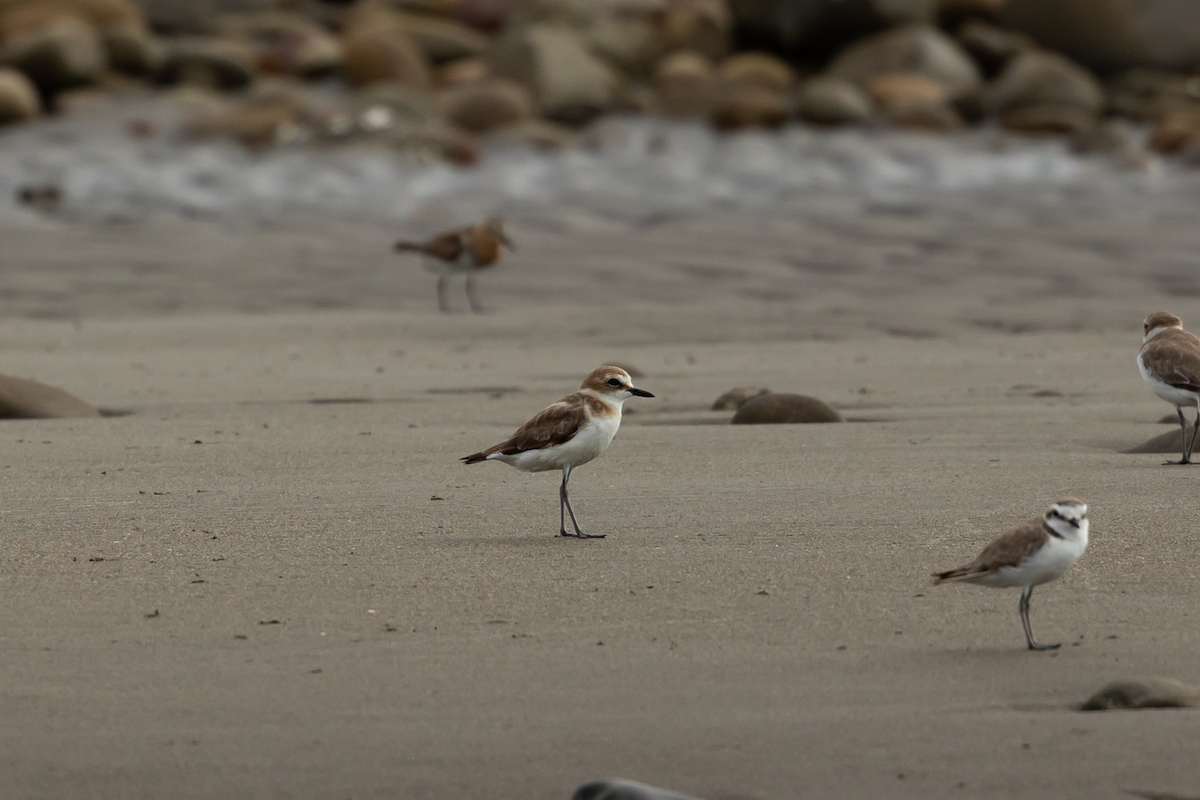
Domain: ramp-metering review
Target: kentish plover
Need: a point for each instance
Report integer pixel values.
(568, 434)
(1170, 365)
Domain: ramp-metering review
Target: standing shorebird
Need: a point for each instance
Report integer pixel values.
(1170, 365)
(568, 434)
(466, 250)
(1037, 551)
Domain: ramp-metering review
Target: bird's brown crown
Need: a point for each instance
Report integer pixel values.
(600, 380)
(1161, 319)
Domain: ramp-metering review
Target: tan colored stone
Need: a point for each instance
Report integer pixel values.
(25, 399)
(372, 56)
(833, 101)
(776, 409)
(916, 49)
(757, 69)
(895, 87)
(19, 99)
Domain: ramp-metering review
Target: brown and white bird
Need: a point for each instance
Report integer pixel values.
(1170, 365)
(568, 434)
(1037, 551)
(463, 250)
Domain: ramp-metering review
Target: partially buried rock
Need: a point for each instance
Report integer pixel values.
(26, 399)
(1049, 119)
(736, 398)
(702, 26)
(1150, 693)
(776, 409)
(624, 789)
(1169, 442)
(833, 101)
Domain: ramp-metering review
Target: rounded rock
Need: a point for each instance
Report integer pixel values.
(1042, 78)
(736, 398)
(919, 49)
(780, 409)
(21, 398)
(757, 69)
(373, 56)
(484, 105)
(833, 101)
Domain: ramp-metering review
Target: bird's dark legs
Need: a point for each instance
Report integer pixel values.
(1187, 451)
(564, 507)
(1195, 429)
(473, 298)
(1023, 609)
(443, 303)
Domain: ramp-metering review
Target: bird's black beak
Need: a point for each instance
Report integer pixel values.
(639, 392)
(1074, 523)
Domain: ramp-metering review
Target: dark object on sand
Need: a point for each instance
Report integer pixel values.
(1150, 693)
(777, 409)
(1169, 442)
(25, 399)
(736, 398)
(622, 789)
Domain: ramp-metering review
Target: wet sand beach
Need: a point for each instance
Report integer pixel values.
(269, 576)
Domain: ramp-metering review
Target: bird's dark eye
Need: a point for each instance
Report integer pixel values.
(614, 382)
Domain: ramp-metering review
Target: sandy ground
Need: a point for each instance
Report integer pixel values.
(243, 589)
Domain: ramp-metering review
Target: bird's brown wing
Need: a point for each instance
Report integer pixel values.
(1178, 353)
(1008, 550)
(554, 425)
(447, 246)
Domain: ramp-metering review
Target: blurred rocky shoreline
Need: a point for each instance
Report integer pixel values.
(453, 81)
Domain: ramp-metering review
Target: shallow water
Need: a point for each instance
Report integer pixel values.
(631, 170)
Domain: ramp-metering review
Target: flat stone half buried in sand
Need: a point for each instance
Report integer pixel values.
(1150, 693)
(624, 789)
(25, 399)
(780, 409)
(1168, 442)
